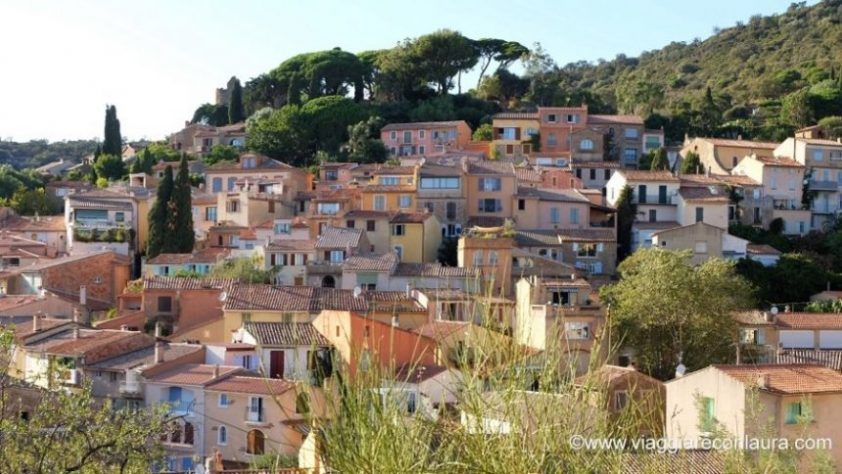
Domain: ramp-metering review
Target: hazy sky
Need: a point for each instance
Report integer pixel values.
(157, 60)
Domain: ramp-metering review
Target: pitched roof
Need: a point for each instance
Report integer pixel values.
(619, 119)
(809, 321)
(92, 344)
(371, 263)
(363, 214)
(642, 175)
(255, 385)
(146, 356)
(193, 374)
(292, 298)
(786, 378)
(781, 161)
(826, 358)
(208, 255)
(415, 373)
(285, 334)
(491, 167)
(516, 116)
(173, 283)
(415, 125)
(702, 194)
(555, 238)
(432, 270)
(819, 141)
(410, 217)
(741, 143)
(438, 330)
(394, 170)
(339, 237)
(298, 245)
(696, 461)
(761, 249)
(555, 195)
(49, 263)
(528, 174)
(608, 373)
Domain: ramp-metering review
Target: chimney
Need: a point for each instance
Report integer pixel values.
(159, 352)
(408, 290)
(157, 330)
(707, 172)
(124, 327)
(762, 380)
(739, 136)
(769, 317)
(216, 370)
(75, 332)
(787, 309)
(36, 323)
(83, 295)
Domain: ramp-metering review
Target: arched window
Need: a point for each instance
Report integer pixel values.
(255, 442)
(586, 144)
(328, 282)
(222, 435)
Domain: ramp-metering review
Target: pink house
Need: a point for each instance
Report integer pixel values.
(425, 138)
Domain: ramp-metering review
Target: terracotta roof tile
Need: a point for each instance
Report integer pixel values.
(208, 255)
(339, 238)
(371, 263)
(193, 374)
(93, 344)
(438, 330)
(786, 379)
(173, 283)
(782, 161)
(826, 358)
(434, 270)
(292, 298)
(296, 245)
(516, 116)
(491, 167)
(415, 373)
(410, 217)
(761, 249)
(642, 175)
(702, 194)
(285, 334)
(418, 125)
(695, 461)
(741, 143)
(809, 321)
(252, 385)
(619, 119)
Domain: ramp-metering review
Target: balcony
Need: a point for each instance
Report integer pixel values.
(130, 388)
(832, 186)
(786, 205)
(824, 208)
(654, 199)
(324, 268)
(101, 234)
(255, 418)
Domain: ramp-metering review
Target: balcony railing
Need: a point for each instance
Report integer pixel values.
(816, 185)
(130, 387)
(653, 199)
(324, 268)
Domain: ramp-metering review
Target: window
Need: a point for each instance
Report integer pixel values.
(421, 150)
(232, 183)
(585, 250)
(530, 132)
(478, 258)
(450, 210)
(210, 214)
(489, 184)
(708, 414)
(579, 173)
(572, 118)
(327, 208)
(621, 399)
(586, 145)
(350, 224)
(593, 174)
(282, 228)
(379, 202)
(630, 133)
(574, 216)
(393, 135)
(492, 258)
(836, 155)
(439, 183)
(422, 133)
(430, 207)
(793, 413)
(232, 206)
(189, 433)
(818, 155)
(552, 118)
(398, 251)
(246, 362)
(552, 139)
(510, 149)
(222, 436)
(390, 180)
(370, 226)
(398, 229)
(216, 185)
(607, 174)
(577, 330)
(490, 205)
(336, 256)
(254, 442)
(630, 155)
(165, 304)
(407, 137)
(701, 247)
(509, 133)
(404, 201)
(554, 215)
(653, 215)
(774, 182)
(120, 216)
(700, 214)
(255, 410)
(521, 204)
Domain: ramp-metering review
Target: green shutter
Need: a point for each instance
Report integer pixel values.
(793, 411)
(366, 278)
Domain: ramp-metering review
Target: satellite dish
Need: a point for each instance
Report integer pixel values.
(774, 310)
(223, 296)
(357, 291)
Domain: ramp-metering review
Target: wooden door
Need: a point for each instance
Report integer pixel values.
(276, 364)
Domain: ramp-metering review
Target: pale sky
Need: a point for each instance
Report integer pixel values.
(158, 60)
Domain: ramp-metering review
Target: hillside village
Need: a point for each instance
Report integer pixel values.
(308, 278)
(356, 276)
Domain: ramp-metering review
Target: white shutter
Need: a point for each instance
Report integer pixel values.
(600, 247)
(575, 247)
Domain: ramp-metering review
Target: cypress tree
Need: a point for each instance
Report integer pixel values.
(660, 160)
(113, 144)
(235, 102)
(180, 237)
(626, 213)
(158, 215)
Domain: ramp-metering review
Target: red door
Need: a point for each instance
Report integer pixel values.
(276, 364)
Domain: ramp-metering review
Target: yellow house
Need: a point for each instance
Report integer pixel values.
(415, 237)
(512, 132)
(391, 189)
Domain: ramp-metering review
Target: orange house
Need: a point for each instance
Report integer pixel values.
(557, 126)
(367, 344)
(391, 189)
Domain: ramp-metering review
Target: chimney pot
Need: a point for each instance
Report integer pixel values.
(36, 322)
(157, 330)
(216, 371)
(159, 352)
(76, 332)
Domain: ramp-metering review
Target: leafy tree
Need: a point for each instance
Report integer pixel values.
(221, 153)
(144, 162)
(322, 73)
(485, 133)
(626, 215)
(162, 151)
(448, 252)
(246, 270)
(832, 126)
(158, 234)
(505, 52)
(110, 167)
(671, 311)
(793, 279)
(262, 91)
(179, 225)
(113, 143)
(235, 102)
(443, 55)
(28, 202)
(660, 161)
(796, 108)
(691, 164)
(364, 144)
(216, 115)
(436, 109)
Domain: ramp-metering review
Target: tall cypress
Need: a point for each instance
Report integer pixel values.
(158, 215)
(113, 144)
(235, 102)
(180, 237)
